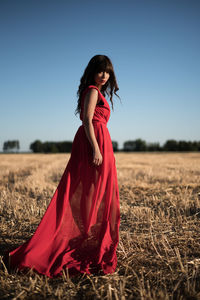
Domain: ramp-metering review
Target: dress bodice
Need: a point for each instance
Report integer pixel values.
(102, 109)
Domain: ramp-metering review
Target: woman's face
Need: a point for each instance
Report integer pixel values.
(101, 78)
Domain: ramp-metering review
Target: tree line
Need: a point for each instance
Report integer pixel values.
(137, 145)
(13, 146)
(51, 147)
(170, 145)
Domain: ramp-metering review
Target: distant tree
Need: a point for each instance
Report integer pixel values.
(154, 147)
(185, 146)
(170, 145)
(196, 146)
(188, 146)
(115, 146)
(36, 146)
(51, 147)
(136, 145)
(64, 147)
(11, 145)
(128, 146)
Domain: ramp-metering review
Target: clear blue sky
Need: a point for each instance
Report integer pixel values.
(46, 45)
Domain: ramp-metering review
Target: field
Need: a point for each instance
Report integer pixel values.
(159, 248)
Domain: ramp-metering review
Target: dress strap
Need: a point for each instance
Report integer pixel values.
(95, 87)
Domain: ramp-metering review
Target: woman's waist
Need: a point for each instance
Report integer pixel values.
(96, 121)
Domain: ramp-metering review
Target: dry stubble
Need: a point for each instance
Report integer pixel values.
(159, 248)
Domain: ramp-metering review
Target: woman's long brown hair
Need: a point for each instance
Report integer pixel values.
(97, 64)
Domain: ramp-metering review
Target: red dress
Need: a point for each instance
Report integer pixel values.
(80, 228)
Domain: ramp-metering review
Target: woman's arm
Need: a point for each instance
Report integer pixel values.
(90, 102)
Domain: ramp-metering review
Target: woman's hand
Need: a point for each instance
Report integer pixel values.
(97, 157)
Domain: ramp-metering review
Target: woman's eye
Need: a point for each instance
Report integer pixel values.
(101, 73)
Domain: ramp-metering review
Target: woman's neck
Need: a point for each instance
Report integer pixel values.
(98, 86)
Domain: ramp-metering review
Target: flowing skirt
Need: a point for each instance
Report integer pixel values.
(80, 228)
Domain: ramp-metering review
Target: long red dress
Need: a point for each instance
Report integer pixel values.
(80, 228)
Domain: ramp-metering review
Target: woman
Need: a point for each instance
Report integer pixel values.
(80, 228)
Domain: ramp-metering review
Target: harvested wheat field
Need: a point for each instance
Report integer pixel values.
(159, 248)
